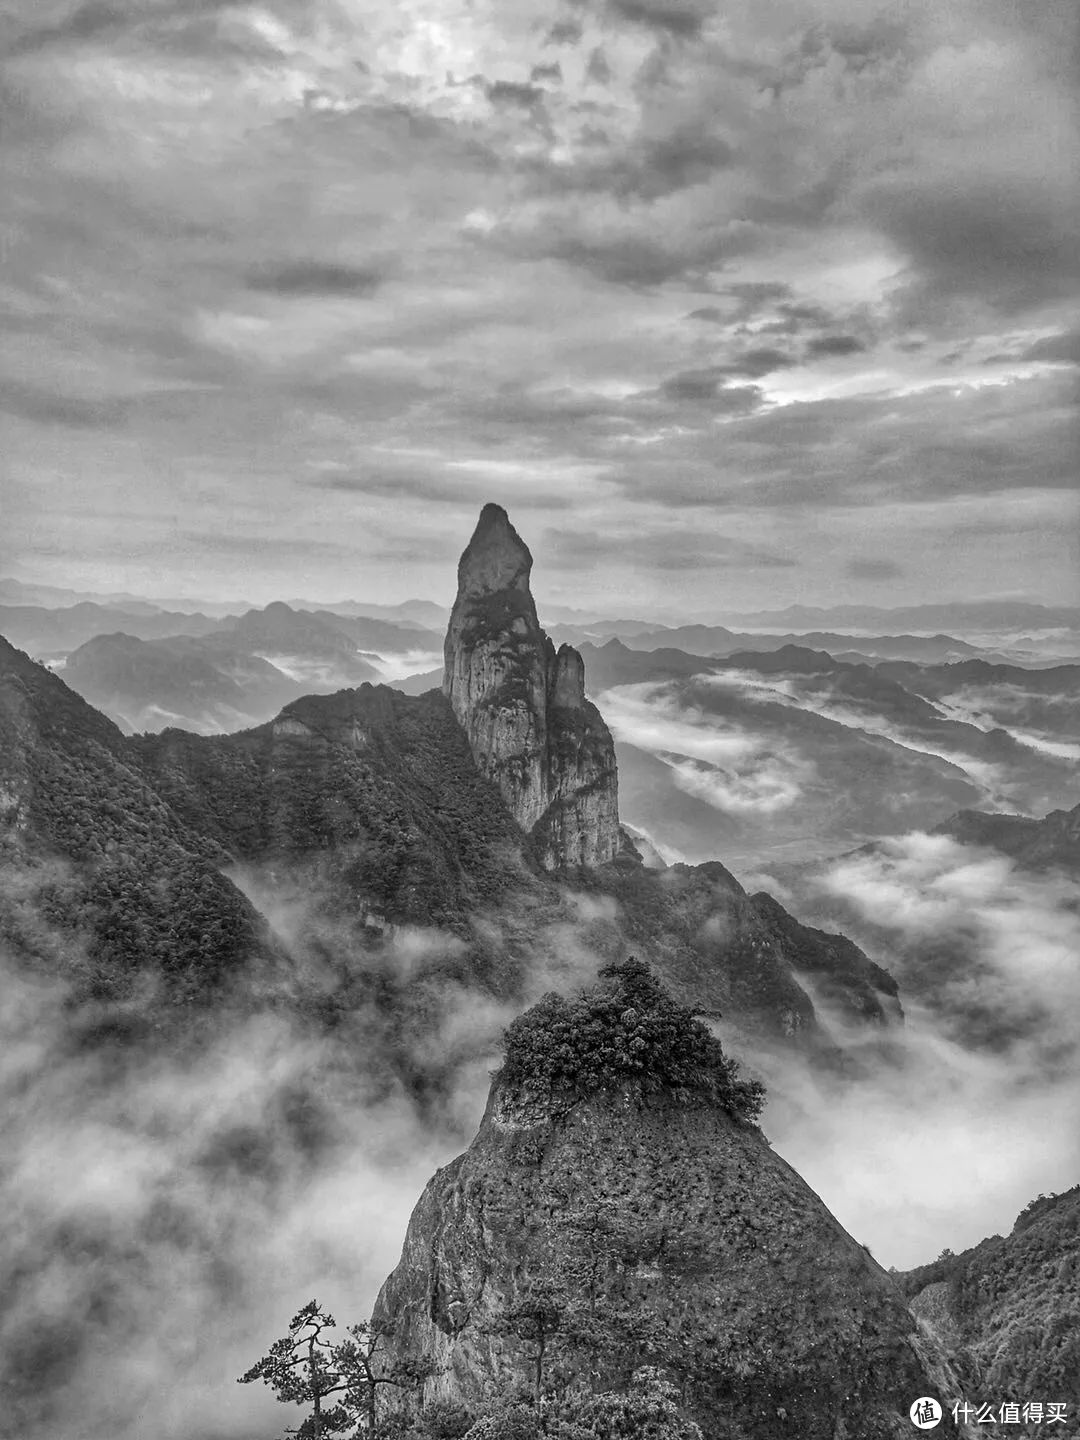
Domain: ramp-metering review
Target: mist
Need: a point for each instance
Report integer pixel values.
(968, 1112)
(170, 1206)
(166, 1213)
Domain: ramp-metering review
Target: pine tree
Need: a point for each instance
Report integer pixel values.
(306, 1367)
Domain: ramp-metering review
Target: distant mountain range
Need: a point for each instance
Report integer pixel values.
(716, 640)
(958, 614)
(236, 962)
(1051, 843)
(768, 755)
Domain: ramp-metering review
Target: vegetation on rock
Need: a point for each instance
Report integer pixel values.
(1014, 1301)
(628, 1030)
(305, 1367)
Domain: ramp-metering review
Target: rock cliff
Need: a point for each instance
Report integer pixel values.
(522, 705)
(647, 1223)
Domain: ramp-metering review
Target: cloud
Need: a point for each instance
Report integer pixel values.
(1063, 348)
(836, 345)
(710, 387)
(667, 549)
(865, 568)
(535, 241)
(302, 278)
(682, 18)
(769, 785)
(43, 407)
(980, 1079)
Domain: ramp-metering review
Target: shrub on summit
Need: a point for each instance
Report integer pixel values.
(628, 1029)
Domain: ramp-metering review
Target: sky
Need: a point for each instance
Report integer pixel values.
(730, 305)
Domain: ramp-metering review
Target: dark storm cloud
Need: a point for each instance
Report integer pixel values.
(755, 364)
(249, 547)
(647, 168)
(645, 259)
(45, 407)
(669, 550)
(709, 388)
(313, 277)
(1063, 349)
(836, 345)
(682, 18)
(873, 569)
(1009, 240)
(564, 32)
(98, 20)
(867, 450)
(510, 92)
(432, 485)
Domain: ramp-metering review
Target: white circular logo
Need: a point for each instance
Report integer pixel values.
(925, 1413)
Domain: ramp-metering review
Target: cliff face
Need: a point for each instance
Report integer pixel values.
(640, 1226)
(523, 706)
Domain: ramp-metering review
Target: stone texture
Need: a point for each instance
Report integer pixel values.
(680, 1239)
(523, 706)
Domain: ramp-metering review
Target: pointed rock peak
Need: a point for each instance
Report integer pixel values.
(569, 688)
(496, 558)
(523, 706)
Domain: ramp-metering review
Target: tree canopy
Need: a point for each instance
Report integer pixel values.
(626, 1029)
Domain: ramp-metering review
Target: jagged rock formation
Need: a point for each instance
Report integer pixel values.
(522, 705)
(658, 1228)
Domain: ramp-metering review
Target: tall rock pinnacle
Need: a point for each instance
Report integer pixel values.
(523, 705)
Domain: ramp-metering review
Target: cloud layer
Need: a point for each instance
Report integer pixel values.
(969, 1117)
(758, 282)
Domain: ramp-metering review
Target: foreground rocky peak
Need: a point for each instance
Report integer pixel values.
(620, 1208)
(522, 705)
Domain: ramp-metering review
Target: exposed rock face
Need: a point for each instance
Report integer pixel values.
(523, 706)
(684, 1242)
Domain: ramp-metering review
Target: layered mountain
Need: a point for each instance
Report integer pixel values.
(956, 615)
(1012, 1303)
(44, 631)
(761, 756)
(1039, 706)
(198, 682)
(522, 705)
(106, 884)
(618, 1208)
(368, 810)
(1052, 843)
(717, 641)
(242, 673)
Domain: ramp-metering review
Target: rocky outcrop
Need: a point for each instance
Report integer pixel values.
(522, 705)
(642, 1226)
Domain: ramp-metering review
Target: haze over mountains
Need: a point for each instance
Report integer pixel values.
(754, 745)
(265, 971)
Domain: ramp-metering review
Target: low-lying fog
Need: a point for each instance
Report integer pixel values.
(758, 767)
(165, 1216)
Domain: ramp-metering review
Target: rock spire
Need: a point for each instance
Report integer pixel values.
(522, 704)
